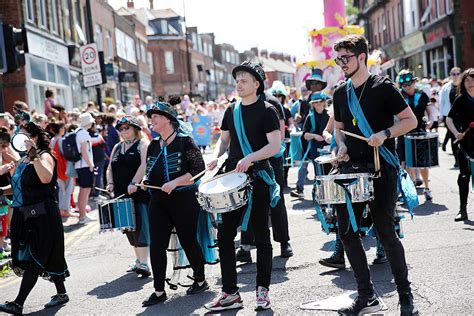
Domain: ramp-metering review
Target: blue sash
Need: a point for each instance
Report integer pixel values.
(274, 188)
(405, 185)
(416, 99)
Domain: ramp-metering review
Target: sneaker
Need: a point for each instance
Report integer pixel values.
(428, 195)
(462, 216)
(263, 300)
(133, 266)
(56, 300)
(362, 306)
(86, 219)
(143, 269)
(243, 256)
(298, 193)
(225, 301)
(154, 299)
(196, 288)
(407, 308)
(380, 256)
(336, 260)
(11, 308)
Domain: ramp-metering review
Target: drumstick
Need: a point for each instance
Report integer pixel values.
(354, 135)
(118, 197)
(148, 186)
(103, 190)
(471, 125)
(198, 175)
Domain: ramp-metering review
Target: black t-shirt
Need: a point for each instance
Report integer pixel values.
(420, 109)
(453, 93)
(380, 102)
(321, 121)
(277, 104)
(259, 119)
(287, 121)
(462, 112)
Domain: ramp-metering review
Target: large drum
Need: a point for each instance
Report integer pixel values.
(224, 193)
(117, 215)
(421, 150)
(331, 189)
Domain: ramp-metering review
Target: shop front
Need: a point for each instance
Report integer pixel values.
(414, 57)
(439, 49)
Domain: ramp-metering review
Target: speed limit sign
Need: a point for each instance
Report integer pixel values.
(89, 59)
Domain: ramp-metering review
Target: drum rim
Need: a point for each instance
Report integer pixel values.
(346, 176)
(427, 135)
(242, 185)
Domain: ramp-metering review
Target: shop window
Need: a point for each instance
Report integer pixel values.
(51, 73)
(63, 75)
(38, 69)
(108, 43)
(169, 62)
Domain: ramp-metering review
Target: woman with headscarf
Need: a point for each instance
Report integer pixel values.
(36, 228)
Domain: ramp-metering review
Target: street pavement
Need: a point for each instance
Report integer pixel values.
(439, 252)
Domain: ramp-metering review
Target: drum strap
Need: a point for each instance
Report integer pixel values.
(350, 210)
(407, 188)
(319, 213)
(269, 178)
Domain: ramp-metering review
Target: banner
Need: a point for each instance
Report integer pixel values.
(202, 126)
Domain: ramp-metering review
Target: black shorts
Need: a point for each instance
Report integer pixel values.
(85, 178)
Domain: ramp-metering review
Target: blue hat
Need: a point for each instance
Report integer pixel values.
(318, 97)
(163, 108)
(316, 75)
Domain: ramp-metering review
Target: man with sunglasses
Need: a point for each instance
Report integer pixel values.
(419, 103)
(447, 95)
(378, 100)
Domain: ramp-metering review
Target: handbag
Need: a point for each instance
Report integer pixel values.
(33, 211)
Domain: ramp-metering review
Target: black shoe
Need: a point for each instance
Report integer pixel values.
(56, 300)
(298, 193)
(196, 288)
(418, 182)
(333, 262)
(243, 256)
(462, 216)
(143, 270)
(153, 299)
(362, 306)
(379, 259)
(407, 308)
(286, 250)
(11, 308)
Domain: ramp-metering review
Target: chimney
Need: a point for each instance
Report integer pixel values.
(151, 5)
(130, 4)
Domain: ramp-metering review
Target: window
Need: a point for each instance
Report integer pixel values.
(205, 48)
(54, 16)
(400, 20)
(150, 62)
(63, 75)
(449, 6)
(38, 69)
(194, 40)
(108, 43)
(125, 46)
(98, 37)
(143, 52)
(211, 53)
(51, 73)
(42, 12)
(164, 26)
(169, 62)
(30, 11)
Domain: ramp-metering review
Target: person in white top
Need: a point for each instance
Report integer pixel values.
(85, 166)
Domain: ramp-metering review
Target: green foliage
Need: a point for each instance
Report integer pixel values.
(350, 9)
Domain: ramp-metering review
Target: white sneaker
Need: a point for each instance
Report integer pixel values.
(428, 194)
(86, 219)
(263, 300)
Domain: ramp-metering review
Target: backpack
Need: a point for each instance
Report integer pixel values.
(69, 146)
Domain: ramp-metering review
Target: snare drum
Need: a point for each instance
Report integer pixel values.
(224, 193)
(421, 150)
(117, 214)
(329, 189)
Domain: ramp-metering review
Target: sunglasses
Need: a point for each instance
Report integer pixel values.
(122, 120)
(407, 84)
(405, 79)
(343, 59)
(125, 128)
(455, 74)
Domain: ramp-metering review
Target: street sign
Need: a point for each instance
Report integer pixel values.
(92, 80)
(89, 59)
(128, 76)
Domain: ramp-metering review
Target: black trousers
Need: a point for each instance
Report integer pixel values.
(278, 213)
(227, 231)
(464, 177)
(382, 210)
(179, 210)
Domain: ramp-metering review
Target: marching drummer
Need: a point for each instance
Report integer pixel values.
(126, 169)
(251, 128)
(419, 104)
(173, 159)
(366, 104)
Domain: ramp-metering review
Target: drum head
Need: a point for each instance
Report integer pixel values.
(325, 159)
(18, 142)
(223, 184)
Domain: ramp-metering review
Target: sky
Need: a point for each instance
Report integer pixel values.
(275, 25)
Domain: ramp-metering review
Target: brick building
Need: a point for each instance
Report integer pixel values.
(464, 32)
(227, 56)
